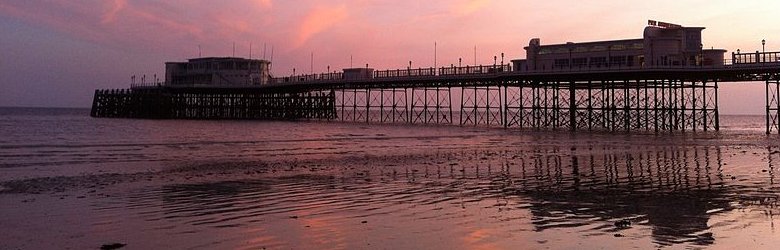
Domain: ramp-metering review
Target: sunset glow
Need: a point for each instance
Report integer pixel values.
(100, 44)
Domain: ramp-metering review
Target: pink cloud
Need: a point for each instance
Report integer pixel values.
(319, 20)
(467, 7)
(111, 14)
(118, 23)
(264, 4)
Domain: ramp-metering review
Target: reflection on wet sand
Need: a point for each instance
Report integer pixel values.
(668, 192)
(276, 185)
(665, 189)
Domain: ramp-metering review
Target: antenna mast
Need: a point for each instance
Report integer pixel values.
(272, 58)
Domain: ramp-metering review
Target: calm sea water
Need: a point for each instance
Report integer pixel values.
(71, 181)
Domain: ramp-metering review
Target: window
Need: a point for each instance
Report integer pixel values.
(581, 49)
(618, 47)
(617, 60)
(598, 48)
(579, 62)
(561, 50)
(638, 46)
(598, 61)
(561, 63)
(544, 51)
(226, 65)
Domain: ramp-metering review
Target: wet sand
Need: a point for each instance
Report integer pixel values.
(507, 190)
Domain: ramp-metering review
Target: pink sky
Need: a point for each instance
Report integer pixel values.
(88, 44)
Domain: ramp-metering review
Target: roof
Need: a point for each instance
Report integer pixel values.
(593, 43)
(212, 59)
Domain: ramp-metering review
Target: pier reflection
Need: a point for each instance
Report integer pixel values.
(666, 193)
(673, 190)
(668, 189)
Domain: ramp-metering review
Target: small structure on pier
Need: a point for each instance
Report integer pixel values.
(662, 45)
(358, 73)
(218, 72)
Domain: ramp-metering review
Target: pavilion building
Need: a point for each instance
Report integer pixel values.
(662, 45)
(218, 72)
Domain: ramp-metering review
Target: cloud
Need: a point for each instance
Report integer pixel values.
(319, 20)
(110, 15)
(107, 22)
(264, 4)
(468, 7)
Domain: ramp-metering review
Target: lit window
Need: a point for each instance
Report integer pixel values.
(618, 47)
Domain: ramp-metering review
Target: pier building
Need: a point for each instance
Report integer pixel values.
(218, 71)
(662, 45)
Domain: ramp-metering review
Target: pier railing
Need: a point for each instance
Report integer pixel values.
(409, 72)
(474, 70)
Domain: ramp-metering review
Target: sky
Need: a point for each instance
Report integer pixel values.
(55, 53)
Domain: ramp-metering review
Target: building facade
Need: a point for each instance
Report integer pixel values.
(662, 45)
(218, 71)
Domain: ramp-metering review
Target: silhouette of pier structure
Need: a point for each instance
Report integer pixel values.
(605, 98)
(665, 81)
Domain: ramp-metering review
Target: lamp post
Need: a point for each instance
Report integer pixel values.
(763, 49)
(701, 55)
(570, 62)
(736, 59)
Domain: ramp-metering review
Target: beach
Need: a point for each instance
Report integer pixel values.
(71, 181)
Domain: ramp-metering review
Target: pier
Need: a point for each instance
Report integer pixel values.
(664, 81)
(655, 99)
(213, 103)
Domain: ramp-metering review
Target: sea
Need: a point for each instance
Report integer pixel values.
(69, 181)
